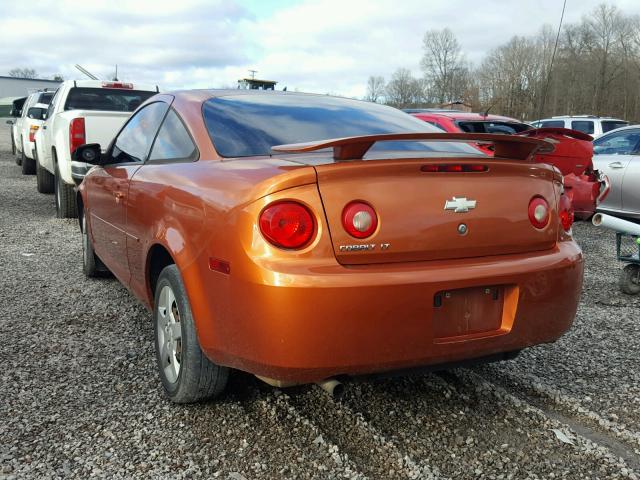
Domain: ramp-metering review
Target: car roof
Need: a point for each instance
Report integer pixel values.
(621, 129)
(579, 117)
(99, 84)
(469, 116)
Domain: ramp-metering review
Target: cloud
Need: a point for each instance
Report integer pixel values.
(311, 45)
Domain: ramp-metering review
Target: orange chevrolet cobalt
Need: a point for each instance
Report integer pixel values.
(307, 238)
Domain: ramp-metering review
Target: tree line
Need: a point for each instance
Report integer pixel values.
(596, 70)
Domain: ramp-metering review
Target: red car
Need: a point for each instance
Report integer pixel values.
(572, 156)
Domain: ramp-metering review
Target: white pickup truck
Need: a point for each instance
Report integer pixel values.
(82, 111)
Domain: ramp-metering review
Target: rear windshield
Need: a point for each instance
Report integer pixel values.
(105, 99)
(608, 125)
(584, 126)
(248, 125)
(46, 97)
(552, 124)
(507, 128)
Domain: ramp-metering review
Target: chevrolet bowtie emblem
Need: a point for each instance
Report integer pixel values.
(460, 204)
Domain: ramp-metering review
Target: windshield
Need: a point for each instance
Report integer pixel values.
(249, 125)
(507, 128)
(608, 125)
(105, 99)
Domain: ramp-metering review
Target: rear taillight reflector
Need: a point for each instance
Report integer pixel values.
(76, 134)
(539, 212)
(454, 168)
(287, 224)
(32, 132)
(359, 219)
(565, 212)
(128, 86)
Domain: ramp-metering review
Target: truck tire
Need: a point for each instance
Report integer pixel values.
(187, 374)
(44, 180)
(65, 198)
(28, 164)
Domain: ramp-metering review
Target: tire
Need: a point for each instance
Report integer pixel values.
(187, 375)
(92, 266)
(44, 179)
(28, 164)
(65, 198)
(630, 279)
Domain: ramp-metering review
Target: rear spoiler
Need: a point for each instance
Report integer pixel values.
(354, 148)
(567, 132)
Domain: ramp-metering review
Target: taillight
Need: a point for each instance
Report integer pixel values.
(359, 219)
(128, 86)
(454, 168)
(287, 224)
(32, 132)
(76, 134)
(539, 212)
(565, 212)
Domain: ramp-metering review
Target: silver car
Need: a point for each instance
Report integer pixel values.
(617, 154)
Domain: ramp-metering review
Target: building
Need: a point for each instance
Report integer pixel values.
(255, 84)
(14, 87)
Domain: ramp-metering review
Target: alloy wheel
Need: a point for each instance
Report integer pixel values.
(169, 334)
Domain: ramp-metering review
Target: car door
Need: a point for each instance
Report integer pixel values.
(43, 140)
(612, 154)
(172, 148)
(108, 186)
(631, 186)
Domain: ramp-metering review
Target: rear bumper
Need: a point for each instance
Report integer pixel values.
(373, 319)
(79, 171)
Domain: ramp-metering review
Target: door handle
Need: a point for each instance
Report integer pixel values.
(616, 165)
(44, 127)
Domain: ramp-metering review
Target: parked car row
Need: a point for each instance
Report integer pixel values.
(80, 111)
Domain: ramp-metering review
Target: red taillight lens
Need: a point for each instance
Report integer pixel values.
(32, 132)
(359, 219)
(287, 224)
(565, 209)
(454, 168)
(539, 212)
(76, 134)
(128, 86)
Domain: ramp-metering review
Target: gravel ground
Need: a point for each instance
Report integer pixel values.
(82, 398)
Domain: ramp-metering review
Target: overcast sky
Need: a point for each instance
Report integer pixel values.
(324, 46)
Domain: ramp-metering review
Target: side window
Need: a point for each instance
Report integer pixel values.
(134, 141)
(173, 141)
(552, 124)
(52, 105)
(584, 126)
(623, 143)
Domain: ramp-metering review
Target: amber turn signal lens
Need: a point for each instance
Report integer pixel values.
(539, 212)
(359, 219)
(287, 224)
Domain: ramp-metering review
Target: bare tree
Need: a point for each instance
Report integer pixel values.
(58, 78)
(23, 73)
(445, 68)
(375, 89)
(404, 90)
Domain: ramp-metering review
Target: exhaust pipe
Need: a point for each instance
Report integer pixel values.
(333, 387)
(616, 224)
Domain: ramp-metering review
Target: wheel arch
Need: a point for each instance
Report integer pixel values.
(158, 257)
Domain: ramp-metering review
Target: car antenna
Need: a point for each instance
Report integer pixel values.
(486, 112)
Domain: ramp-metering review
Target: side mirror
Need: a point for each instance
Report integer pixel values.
(36, 113)
(88, 153)
(9, 122)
